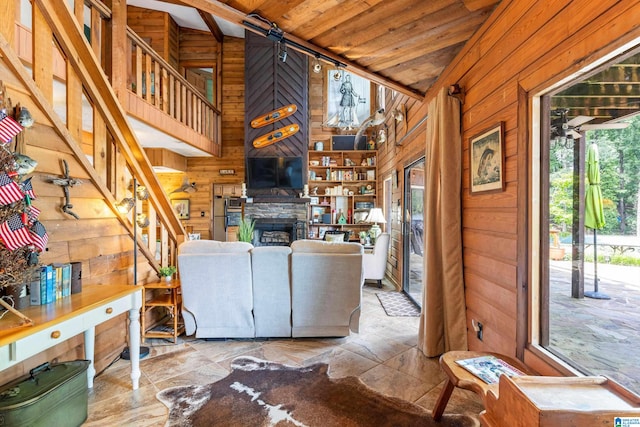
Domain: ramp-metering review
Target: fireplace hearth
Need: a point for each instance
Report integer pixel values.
(277, 231)
(277, 223)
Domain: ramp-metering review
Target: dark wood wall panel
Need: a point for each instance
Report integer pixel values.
(270, 84)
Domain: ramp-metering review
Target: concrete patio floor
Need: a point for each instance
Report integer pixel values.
(600, 337)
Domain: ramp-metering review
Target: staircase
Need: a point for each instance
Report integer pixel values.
(84, 81)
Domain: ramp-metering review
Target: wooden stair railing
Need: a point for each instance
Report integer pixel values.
(117, 154)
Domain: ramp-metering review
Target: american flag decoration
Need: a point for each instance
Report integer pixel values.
(8, 128)
(14, 233)
(32, 214)
(27, 188)
(39, 236)
(9, 190)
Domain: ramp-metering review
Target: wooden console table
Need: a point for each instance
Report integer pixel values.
(59, 321)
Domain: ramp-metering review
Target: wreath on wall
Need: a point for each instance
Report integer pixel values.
(22, 236)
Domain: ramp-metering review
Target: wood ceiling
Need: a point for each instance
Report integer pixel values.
(610, 94)
(402, 44)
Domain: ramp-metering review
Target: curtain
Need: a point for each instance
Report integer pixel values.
(443, 319)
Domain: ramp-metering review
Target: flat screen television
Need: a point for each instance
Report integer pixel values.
(274, 172)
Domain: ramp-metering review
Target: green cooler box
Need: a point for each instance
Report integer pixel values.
(51, 395)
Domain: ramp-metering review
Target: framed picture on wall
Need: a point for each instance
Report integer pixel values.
(181, 206)
(486, 166)
(348, 104)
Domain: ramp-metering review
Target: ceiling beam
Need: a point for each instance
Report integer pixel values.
(234, 16)
(212, 25)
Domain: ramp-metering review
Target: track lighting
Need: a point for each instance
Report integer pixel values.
(282, 52)
(317, 68)
(337, 75)
(276, 34)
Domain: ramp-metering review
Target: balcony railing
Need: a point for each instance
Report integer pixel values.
(153, 80)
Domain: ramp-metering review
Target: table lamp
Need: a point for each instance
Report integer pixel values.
(375, 216)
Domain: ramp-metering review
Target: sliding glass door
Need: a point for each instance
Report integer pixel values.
(412, 230)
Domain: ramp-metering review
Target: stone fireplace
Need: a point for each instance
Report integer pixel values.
(277, 223)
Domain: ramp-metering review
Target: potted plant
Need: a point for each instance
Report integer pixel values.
(167, 272)
(245, 230)
(363, 237)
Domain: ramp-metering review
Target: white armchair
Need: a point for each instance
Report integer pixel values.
(375, 263)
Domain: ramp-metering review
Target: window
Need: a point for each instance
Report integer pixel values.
(588, 274)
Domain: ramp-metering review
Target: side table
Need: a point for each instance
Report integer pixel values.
(460, 377)
(171, 326)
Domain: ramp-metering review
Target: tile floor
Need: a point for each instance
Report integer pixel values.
(383, 355)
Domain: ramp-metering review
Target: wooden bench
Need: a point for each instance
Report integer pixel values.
(460, 377)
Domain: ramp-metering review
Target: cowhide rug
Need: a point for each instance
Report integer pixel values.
(262, 393)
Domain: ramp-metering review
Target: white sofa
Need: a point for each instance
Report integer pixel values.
(217, 288)
(325, 300)
(235, 290)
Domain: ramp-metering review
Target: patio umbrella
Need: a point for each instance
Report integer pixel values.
(593, 212)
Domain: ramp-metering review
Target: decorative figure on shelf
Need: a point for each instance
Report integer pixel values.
(341, 218)
(375, 119)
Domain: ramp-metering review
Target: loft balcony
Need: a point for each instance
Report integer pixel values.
(172, 114)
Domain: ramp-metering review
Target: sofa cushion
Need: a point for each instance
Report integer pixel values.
(213, 246)
(217, 289)
(326, 288)
(324, 247)
(271, 291)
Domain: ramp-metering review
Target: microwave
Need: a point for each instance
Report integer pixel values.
(234, 204)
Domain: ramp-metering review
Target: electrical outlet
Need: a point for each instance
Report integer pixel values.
(202, 214)
(479, 330)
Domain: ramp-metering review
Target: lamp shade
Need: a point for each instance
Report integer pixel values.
(125, 205)
(142, 193)
(142, 220)
(376, 216)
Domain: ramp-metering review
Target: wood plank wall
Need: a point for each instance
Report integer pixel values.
(523, 48)
(97, 239)
(197, 49)
(205, 170)
(158, 29)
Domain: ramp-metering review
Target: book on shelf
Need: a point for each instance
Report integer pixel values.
(489, 368)
(35, 290)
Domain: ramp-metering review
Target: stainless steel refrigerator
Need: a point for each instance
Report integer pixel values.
(227, 212)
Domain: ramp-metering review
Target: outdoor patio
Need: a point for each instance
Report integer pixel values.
(601, 336)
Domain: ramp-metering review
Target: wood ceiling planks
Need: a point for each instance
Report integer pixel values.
(406, 41)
